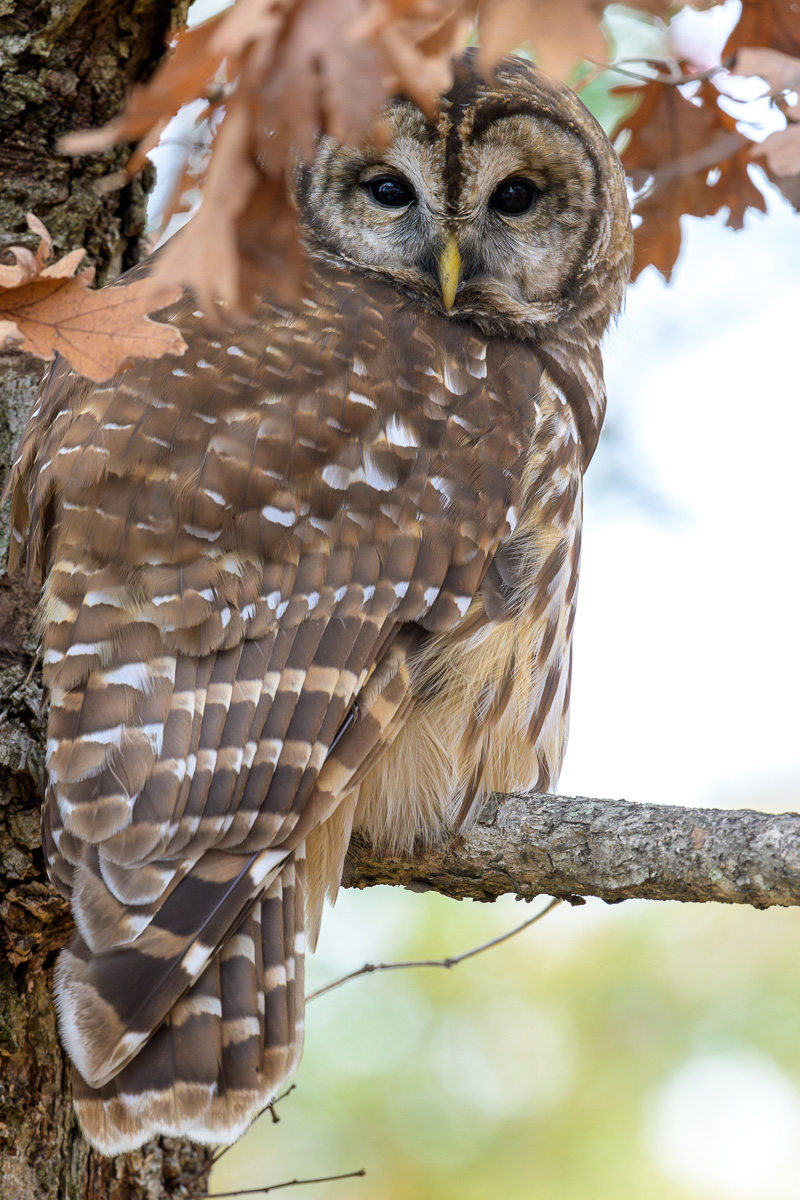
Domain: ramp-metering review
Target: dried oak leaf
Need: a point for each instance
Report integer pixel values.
(29, 264)
(98, 332)
(683, 158)
(773, 23)
(324, 77)
(205, 254)
(416, 42)
(10, 335)
(781, 71)
(781, 150)
(184, 74)
(562, 32)
(281, 101)
(48, 309)
(195, 64)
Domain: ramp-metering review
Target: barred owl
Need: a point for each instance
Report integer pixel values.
(319, 574)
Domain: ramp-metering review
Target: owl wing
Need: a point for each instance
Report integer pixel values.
(241, 554)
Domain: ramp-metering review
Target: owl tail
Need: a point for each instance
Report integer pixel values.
(226, 1046)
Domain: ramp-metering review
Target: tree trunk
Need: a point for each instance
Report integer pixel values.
(67, 64)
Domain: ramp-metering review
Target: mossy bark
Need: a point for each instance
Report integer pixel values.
(64, 65)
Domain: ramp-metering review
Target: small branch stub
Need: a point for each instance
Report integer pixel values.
(566, 846)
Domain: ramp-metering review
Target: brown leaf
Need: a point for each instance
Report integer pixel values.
(782, 151)
(417, 41)
(251, 21)
(26, 266)
(186, 74)
(68, 265)
(30, 265)
(45, 241)
(789, 185)
(423, 77)
(326, 79)
(773, 23)
(781, 71)
(98, 332)
(231, 181)
(48, 309)
(278, 257)
(449, 32)
(182, 76)
(689, 159)
(10, 334)
(561, 32)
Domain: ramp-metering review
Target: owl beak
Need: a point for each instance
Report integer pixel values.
(450, 268)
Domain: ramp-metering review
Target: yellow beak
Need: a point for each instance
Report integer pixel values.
(449, 270)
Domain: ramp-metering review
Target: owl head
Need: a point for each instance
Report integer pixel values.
(508, 210)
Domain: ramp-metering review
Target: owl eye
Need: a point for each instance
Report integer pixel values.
(513, 197)
(391, 192)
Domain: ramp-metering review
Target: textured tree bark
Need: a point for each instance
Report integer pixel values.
(67, 64)
(573, 846)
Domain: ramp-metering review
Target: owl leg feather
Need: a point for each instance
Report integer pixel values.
(226, 1046)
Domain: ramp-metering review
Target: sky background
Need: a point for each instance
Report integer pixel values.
(687, 639)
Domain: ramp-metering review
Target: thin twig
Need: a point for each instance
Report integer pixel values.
(668, 70)
(273, 1187)
(368, 968)
(597, 70)
(270, 1108)
(221, 1153)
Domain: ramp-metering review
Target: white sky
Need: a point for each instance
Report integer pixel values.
(687, 642)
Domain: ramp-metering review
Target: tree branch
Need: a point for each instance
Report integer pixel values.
(573, 846)
(446, 963)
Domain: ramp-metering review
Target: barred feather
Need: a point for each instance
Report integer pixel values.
(226, 1045)
(319, 573)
